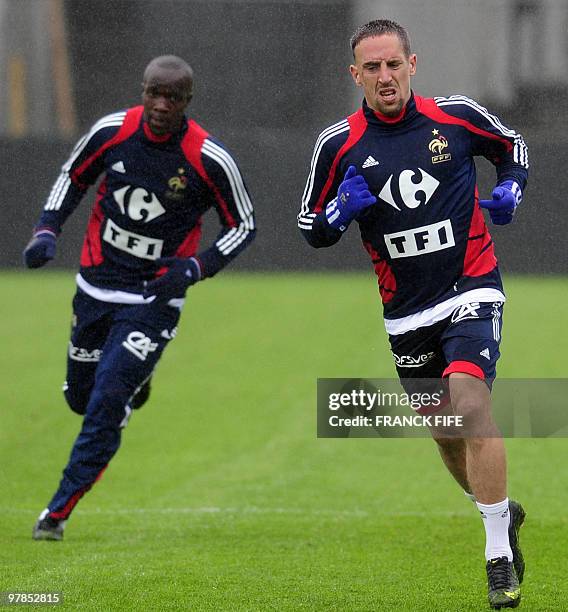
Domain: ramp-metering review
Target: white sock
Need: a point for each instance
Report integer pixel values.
(470, 496)
(496, 522)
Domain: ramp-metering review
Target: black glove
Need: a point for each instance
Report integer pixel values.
(182, 274)
(40, 249)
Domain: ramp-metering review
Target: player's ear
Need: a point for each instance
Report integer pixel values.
(356, 75)
(412, 62)
(188, 91)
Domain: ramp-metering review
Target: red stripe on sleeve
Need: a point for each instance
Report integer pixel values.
(358, 125)
(189, 246)
(478, 259)
(191, 146)
(428, 107)
(385, 276)
(128, 127)
(92, 252)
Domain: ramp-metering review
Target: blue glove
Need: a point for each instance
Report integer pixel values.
(182, 274)
(506, 197)
(40, 249)
(353, 196)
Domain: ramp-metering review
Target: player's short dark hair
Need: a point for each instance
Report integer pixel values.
(170, 62)
(378, 27)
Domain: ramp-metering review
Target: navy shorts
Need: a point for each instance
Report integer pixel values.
(467, 341)
(125, 341)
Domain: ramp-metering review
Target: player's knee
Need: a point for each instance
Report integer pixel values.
(110, 399)
(470, 407)
(141, 396)
(477, 421)
(76, 397)
(471, 411)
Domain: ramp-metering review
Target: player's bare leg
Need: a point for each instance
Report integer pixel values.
(452, 449)
(486, 473)
(453, 453)
(484, 448)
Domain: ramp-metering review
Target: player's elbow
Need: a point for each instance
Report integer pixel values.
(311, 239)
(318, 239)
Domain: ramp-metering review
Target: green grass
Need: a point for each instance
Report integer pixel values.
(222, 497)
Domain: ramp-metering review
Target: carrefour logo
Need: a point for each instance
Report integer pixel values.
(412, 193)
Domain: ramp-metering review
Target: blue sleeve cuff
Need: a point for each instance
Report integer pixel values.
(334, 217)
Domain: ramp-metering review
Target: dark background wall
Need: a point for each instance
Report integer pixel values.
(269, 76)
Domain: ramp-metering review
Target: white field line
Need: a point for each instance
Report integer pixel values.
(260, 510)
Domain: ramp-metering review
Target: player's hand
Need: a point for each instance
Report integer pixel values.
(40, 249)
(353, 196)
(182, 273)
(506, 197)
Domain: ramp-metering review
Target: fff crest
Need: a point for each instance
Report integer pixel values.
(437, 145)
(176, 185)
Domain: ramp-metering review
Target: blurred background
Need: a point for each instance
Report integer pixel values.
(269, 77)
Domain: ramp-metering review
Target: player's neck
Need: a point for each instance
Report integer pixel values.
(156, 137)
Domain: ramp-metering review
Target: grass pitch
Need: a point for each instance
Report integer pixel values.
(222, 497)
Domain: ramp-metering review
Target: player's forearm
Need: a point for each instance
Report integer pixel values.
(57, 210)
(353, 200)
(321, 233)
(226, 248)
(511, 171)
